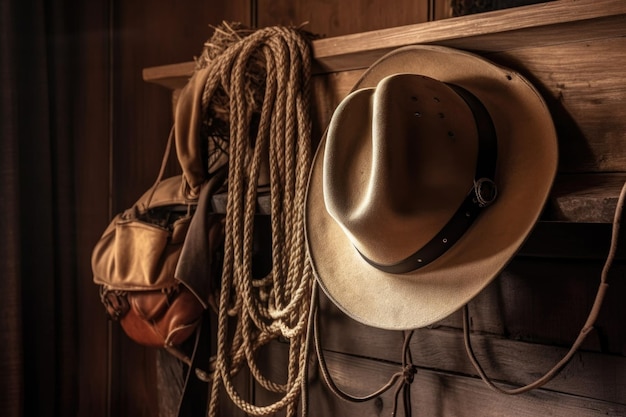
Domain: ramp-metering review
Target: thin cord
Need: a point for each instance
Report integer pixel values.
(586, 329)
(405, 375)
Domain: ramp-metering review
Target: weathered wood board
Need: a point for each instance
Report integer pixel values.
(575, 53)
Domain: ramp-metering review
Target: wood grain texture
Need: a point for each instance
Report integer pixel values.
(533, 300)
(551, 23)
(538, 25)
(590, 198)
(583, 84)
(586, 108)
(333, 18)
(524, 321)
(92, 201)
(522, 324)
(146, 35)
(561, 47)
(436, 392)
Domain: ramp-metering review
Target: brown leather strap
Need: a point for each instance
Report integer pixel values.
(586, 329)
(405, 375)
(199, 266)
(194, 400)
(482, 194)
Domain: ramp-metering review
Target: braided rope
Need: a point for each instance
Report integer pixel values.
(256, 311)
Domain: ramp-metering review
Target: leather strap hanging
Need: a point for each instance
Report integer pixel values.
(409, 370)
(403, 378)
(195, 395)
(585, 330)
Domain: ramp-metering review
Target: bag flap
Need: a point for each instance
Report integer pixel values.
(170, 191)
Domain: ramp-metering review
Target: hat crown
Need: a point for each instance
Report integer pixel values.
(353, 206)
(400, 159)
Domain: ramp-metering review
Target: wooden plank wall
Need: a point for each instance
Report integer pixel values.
(335, 18)
(527, 318)
(120, 376)
(522, 322)
(92, 208)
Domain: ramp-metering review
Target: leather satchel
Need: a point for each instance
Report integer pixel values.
(135, 262)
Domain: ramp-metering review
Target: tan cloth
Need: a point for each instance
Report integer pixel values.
(197, 166)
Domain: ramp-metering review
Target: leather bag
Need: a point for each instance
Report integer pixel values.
(134, 263)
(135, 260)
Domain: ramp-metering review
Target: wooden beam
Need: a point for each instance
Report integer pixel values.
(436, 393)
(450, 392)
(534, 40)
(542, 24)
(536, 25)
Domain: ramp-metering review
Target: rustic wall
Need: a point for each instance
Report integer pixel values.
(523, 321)
(120, 160)
(334, 18)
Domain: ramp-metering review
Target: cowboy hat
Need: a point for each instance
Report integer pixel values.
(430, 176)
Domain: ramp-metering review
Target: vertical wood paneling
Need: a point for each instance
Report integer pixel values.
(91, 164)
(542, 301)
(525, 320)
(146, 34)
(333, 18)
(443, 9)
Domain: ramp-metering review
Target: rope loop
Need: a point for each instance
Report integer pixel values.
(587, 327)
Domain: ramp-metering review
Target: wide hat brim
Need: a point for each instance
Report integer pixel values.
(526, 167)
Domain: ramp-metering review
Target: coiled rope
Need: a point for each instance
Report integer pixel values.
(254, 311)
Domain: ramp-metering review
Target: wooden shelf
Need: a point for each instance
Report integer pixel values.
(543, 24)
(588, 109)
(537, 25)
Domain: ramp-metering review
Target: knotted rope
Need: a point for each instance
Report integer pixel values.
(403, 378)
(268, 117)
